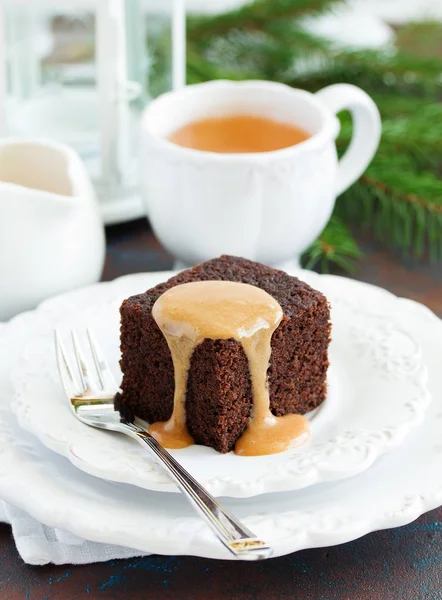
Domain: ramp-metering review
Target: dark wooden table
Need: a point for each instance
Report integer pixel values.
(398, 564)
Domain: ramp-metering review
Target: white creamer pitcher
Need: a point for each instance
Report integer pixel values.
(51, 235)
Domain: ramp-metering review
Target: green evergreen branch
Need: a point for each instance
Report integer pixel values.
(379, 72)
(255, 16)
(405, 133)
(399, 218)
(335, 246)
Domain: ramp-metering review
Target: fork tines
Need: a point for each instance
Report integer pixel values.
(73, 386)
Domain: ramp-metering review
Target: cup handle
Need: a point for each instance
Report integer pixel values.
(366, 130)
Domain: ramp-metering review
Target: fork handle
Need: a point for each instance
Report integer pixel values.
(239, 540)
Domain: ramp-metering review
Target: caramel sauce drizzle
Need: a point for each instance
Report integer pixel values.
(189, 313)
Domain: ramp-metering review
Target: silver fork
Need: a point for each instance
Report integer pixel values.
(93, 404)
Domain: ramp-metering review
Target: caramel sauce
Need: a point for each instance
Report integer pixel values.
(238, 134)
(189, 313)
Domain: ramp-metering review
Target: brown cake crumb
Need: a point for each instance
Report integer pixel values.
(219, 396)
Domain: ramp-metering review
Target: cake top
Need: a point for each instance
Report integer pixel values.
(215, 310)
(292, 294)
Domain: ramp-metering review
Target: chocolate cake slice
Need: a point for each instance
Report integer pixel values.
(219, 395)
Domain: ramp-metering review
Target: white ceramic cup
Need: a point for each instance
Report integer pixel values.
(266, 206)
(51, 234)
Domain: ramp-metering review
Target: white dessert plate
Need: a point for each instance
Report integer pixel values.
(395, 491)
(377, 394)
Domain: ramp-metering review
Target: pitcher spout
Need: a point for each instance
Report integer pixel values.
(47, 172)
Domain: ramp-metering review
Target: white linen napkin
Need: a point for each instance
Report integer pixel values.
(38, 544)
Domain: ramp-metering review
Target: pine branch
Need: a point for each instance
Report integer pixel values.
(379, 72)
(241, 55)
(405, 217)
(269, 52)
(255, 16)
(298, 57)
(405, 131)
(335, 246)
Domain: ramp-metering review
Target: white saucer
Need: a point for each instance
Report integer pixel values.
(376, 395)
(395, 491)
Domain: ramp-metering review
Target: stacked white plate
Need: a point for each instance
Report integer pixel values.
(373, 461)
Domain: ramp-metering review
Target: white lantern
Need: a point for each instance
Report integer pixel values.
(78, 72)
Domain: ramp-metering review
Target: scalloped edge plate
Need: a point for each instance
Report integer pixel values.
(393, 492)
(377, 394)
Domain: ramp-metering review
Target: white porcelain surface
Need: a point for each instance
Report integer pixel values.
(266, 206)
(51, 235)
(121, 210)
(393, 492)
(377, 393)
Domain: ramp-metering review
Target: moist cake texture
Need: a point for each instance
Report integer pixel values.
(219, 395)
